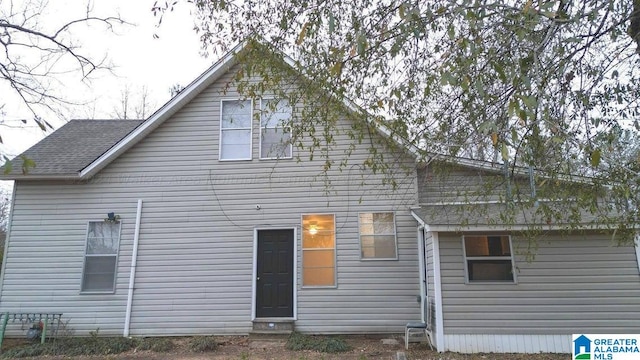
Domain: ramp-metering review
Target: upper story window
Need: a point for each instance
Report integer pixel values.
(275, 132)
(488, 258)
(101, 255)
(378, 236)
(235, 130)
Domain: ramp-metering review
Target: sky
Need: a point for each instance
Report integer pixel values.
(139, 60)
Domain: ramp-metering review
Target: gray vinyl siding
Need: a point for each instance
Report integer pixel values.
(195, 257)
(45, 256)
(444, 183)
(575, 284)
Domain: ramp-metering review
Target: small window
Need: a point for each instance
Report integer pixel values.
(318, 250)
(488, 258)
(235, 130)
(275, 132)
(101, 255)
(378, 236)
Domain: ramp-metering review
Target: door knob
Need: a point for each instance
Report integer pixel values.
(258, 278)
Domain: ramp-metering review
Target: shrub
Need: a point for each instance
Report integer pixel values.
(299, 342)
(93, 346)
(75, 347)
(203, 344)
(156, 344)
(25, 351)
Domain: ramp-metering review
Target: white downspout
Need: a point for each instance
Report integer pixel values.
(132, 276)
(421, 266)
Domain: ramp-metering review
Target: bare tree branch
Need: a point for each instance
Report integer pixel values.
(34, 57)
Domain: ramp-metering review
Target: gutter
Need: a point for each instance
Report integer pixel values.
(19, 177)
(132, 276)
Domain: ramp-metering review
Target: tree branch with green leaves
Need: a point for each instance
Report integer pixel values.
(528, 84)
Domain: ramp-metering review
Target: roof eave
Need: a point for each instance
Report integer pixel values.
(514, 227)
(457, 228)
(20, 177)
(165, 112)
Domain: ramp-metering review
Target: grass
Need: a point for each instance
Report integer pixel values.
(323, 344)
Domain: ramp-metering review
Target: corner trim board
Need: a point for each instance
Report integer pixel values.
(421, 267)
(636, 245)
(8, 238)
(437, 284)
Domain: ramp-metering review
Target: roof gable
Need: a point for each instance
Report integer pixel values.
(92, 155)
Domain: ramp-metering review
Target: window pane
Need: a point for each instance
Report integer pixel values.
(99, 273)
(386, 246)
(377, 236)
(275, 143)
(318, 231)
(381, 246)
(103, 238)
(318, 276)
(236, 114)
(318, 258)
(366, 228)
(490, 270)
(487, 246)
(383, 218)
(366, 218)
(236, 144)
(322, 240)
(383, 227)
(275, 113)
(386, 252)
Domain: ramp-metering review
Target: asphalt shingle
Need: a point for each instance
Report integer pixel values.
(73, 147)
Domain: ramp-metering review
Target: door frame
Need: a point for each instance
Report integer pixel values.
(255, 270)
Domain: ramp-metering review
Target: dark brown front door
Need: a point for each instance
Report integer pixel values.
(274, 282)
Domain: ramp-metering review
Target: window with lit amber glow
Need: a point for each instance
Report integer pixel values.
(318, 250)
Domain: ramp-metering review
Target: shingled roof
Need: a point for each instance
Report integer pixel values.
(71, 148)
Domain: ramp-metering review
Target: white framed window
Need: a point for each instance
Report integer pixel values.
(318, 250)
(488, 258)
(235, 129)
(101, 257)
(378, 236)
(275, 132)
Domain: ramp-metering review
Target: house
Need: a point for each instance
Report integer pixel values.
(203, 219)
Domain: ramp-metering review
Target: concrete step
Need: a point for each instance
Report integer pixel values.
(273, 326)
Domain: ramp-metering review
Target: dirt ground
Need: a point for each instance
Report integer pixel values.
(244, 348)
